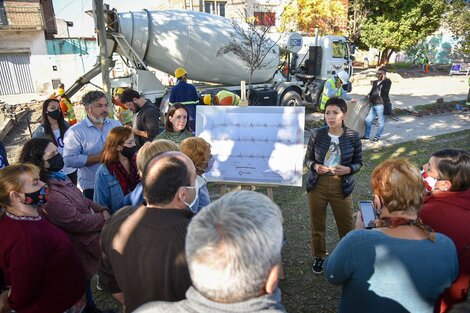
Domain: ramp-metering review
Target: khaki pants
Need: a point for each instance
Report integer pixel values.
(328, 190)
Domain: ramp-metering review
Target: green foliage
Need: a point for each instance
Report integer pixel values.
(309, 14)
(458, 21)
(396, 25)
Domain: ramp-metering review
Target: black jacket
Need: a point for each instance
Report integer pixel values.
(380, 94)
(351, 155)
(147, 119)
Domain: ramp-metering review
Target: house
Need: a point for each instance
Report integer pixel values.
(24, 27)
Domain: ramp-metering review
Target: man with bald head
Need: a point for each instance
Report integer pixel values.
(143, 247)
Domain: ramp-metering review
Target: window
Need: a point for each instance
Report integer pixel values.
(209, 7)
(221, 8)
(340, 49)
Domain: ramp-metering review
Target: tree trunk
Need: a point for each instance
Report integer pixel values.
(385, 56)
(248, 93)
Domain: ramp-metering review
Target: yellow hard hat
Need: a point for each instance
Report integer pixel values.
(60, 91)
(207, 99)
(119, 91)
(180, 72)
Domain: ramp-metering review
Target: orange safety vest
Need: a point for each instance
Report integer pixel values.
(225, 97)
(68, 111)
(124, 114)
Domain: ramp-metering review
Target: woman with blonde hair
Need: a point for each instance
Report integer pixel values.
(199, 151)
(40, 266)
(147, 152)
(118, 175)
(401, 265)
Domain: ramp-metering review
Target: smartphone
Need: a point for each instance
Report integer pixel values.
(368, 213)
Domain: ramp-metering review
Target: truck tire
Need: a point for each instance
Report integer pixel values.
(291, 98)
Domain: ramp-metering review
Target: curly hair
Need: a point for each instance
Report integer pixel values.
(196, 148)
(92, 96)
(399, 185)
(33, 152)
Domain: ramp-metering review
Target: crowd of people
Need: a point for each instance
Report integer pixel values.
(130, 205)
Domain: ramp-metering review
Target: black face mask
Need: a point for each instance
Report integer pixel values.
(129, 152)
(55, 114)
(56, 163)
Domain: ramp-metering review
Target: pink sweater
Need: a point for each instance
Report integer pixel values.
(80, 218)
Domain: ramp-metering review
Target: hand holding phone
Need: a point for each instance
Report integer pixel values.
(368, 213)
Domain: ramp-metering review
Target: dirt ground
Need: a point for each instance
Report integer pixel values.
(302, 290)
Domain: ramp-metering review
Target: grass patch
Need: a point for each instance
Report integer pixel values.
(302, 290)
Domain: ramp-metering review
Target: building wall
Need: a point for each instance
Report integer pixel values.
(32, 42)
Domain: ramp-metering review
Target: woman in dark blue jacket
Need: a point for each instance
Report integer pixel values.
(334, 154)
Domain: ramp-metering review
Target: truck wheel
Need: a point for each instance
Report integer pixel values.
(291, 98)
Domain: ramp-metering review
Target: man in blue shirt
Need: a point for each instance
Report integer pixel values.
(186, 94)
(84, 141)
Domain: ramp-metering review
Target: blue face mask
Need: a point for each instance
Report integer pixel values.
(210, 164)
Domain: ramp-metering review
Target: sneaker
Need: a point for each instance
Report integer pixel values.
(376, 139)
(317, 266)
(364, 138)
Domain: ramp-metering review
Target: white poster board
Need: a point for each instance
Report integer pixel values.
(254, 145)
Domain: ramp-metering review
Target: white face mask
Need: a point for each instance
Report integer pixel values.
(196, 192)
(429, 182)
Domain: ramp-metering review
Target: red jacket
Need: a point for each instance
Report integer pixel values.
(449, 213)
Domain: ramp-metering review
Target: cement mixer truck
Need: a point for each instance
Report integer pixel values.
(166, 40)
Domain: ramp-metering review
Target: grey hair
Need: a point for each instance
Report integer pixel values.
(92, 96)
(232, 245)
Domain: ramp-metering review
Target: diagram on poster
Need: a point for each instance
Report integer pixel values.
(262, 145)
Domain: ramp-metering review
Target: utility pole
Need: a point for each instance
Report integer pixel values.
(98, 8)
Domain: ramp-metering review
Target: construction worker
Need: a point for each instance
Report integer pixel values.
(334, 88)
(66, 107)
(223, 97)
(125, 114)
(186, 94)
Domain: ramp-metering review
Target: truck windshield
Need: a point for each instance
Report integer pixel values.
(340, 49)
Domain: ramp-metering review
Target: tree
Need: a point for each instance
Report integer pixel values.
(458, 21)
(250, 42)
(310, 14)
(396, 25)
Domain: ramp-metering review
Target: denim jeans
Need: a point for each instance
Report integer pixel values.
(375, 110)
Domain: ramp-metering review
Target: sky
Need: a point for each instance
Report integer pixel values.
(74, 10)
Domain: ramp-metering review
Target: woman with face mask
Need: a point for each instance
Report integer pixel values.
(199, 151)
(447, 210)
(147, 152)
(176, 124)
(54, 127)
(42, 271)
(118, 175)
(68, 208)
